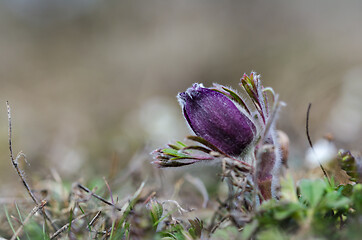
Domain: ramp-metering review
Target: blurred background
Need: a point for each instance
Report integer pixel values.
(93, 83)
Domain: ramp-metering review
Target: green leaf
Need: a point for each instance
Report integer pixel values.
(175, 153)
(156, 212)
(335, 200)
(312, 191)
(9, 221)
(181, 144)
(230, 232)
(346, 190)
(286, 211)
(21, 219)
(288, 189)
(70, 219)
(35, 231)
(272, 233)
(356, 197)
(196, 227)
(250, 229)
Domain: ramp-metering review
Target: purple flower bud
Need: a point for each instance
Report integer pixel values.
(216, 118)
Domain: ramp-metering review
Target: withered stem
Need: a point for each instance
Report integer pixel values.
(311, 144)
(98, 197)
(21, 175)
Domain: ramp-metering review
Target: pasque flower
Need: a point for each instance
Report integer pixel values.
(237, 126)
(216, 118)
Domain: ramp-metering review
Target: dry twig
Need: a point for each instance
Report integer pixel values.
(20, 173)
(62, 229)
(310, 141)
(98, 197)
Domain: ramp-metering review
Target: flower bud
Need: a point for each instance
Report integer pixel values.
(216, 118)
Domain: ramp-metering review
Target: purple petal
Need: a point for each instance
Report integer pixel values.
(217, 119)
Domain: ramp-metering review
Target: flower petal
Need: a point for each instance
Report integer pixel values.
(217, 119)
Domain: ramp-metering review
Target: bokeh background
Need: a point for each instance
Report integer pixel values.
(92, 83)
